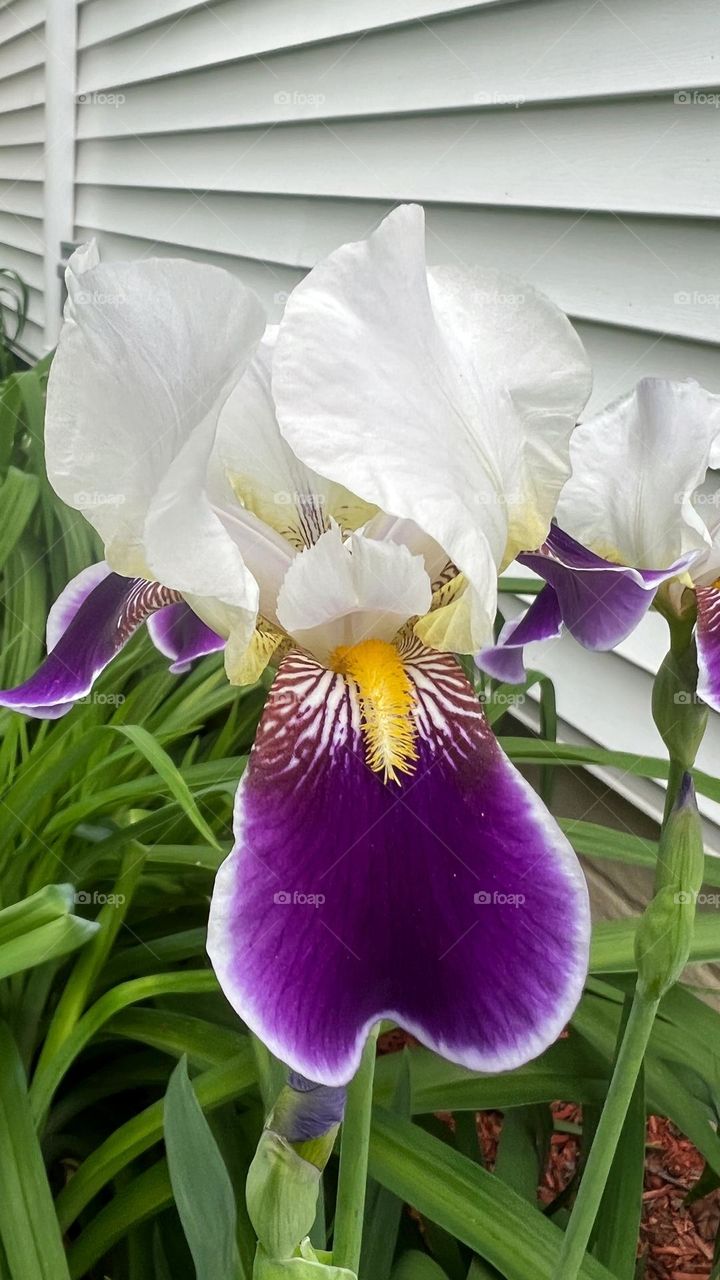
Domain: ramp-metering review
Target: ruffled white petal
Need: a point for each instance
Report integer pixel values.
(146, 358)
(406, 394)
(341, 592)
(254, 463)
(409, 534)
(635, 467)
(502, 332)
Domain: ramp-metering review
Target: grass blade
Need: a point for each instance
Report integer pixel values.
(28, 1225)
(200, 1181)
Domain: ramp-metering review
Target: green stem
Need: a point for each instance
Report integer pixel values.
(592, 1186)
(271, 1075)
(352, 1179)
(675, 777)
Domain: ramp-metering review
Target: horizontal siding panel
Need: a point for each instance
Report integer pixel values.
(35, 312)
(651, 156)
(270, 281)
(22, 233)
(22, 163)
(525, 52)
(639, 272)
(255, 26)
(24, 90)
(19, 17)
(29, 266)
(25, 51)
(32, 342)
(620, 357)
(22, 126)
(22, 198)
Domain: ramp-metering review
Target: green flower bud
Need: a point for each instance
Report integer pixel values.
(679, 715)
(284, 1177)
(306, 1264)
(282, 1191)
(664, 934)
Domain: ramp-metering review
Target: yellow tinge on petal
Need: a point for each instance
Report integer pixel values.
(386, 702)
(245, 661)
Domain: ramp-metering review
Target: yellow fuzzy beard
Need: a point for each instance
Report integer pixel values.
(386, 702)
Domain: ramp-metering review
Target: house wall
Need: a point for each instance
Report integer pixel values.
(575, 143)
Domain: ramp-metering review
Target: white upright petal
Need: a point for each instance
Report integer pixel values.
(502, 332)
(341, 592)
(252, 460)
(147, 356)
(635, 467)
(406, 394)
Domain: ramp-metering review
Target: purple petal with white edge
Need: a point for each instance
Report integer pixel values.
(450, 901)
(88, 624)
(708, 645)
(181, 636)
(71, 598)
(542, 621)
(601, 603)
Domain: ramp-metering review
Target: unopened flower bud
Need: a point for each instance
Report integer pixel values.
(664, 934)
(679, 715)
(306, 1264)
(284, 1177)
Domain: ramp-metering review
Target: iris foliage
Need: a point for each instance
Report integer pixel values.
(132, 1100)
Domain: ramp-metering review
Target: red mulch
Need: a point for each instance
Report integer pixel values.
(676, 1241)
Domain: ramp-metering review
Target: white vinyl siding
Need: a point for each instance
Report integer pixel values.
(574, 143)
(543, 136)
(22, 133)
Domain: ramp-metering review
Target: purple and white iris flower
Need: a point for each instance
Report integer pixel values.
(635, 527)
(338, 496)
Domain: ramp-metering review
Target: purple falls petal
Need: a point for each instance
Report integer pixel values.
(601, 603)
(180, 635)
(88, 624)
(708, 645)
(450, 902)
(71, 598)
(542, 621)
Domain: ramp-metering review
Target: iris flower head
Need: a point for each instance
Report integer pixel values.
(637, 524)
(336, 496)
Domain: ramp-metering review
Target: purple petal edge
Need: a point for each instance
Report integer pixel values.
(505, 659)
(708, 645)
(178, 633)
(450, 902)
(601, 603)
(90, 622)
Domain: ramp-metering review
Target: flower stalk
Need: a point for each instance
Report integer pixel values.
(664, 935)
(284, 1178)
(352, 1180)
